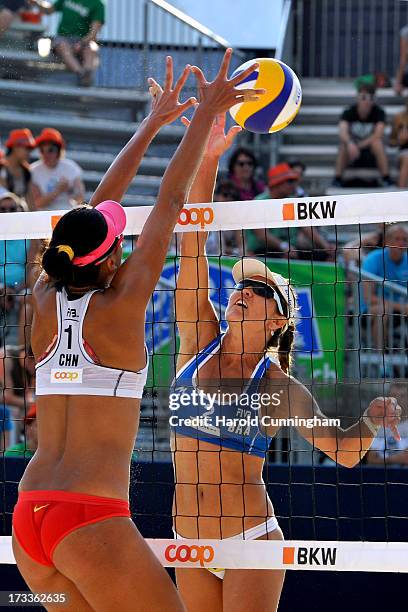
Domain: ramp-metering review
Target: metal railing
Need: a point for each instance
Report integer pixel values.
(348, 38)
(137, 36)
(378, 342)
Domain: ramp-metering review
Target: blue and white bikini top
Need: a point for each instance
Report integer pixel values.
(69, 368)
(232, 424)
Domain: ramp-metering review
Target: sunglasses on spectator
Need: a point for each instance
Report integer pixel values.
(262, 290)
(49, 148)
(243, 163)
(365, 97)
(11, 208)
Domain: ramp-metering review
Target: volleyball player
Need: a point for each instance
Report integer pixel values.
(72, 531)
(220, 492)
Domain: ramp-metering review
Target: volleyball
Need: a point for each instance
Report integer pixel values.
(278, 106)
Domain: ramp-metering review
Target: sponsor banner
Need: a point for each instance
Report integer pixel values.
(319, 350)
(320, 210)
(268, 554)
(66, 375)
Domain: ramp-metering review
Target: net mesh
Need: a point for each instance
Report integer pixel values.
(350, 346)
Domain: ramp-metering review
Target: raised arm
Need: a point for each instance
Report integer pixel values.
(166, 108)
(195, 315)
(139, 275)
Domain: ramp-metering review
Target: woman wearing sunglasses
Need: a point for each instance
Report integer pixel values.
(242, 169)
(57, 181)
(218, 460)
(72, 532)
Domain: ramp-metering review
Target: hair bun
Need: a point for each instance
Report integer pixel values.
(57, 263)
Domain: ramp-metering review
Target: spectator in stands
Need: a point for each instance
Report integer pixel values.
(284, 242)
(385, 449)
(241, 172)
(19, 388)
(75, 43)
(299, 167)
(6, 424)
(389, 264)
(57, 181)
(29, 443)
(358, 248)
(228, 242)
(401, 79)
(361, 131)
(399, 137)
(8, 12)
(15, 175)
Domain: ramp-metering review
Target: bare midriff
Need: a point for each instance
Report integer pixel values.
(218, 492)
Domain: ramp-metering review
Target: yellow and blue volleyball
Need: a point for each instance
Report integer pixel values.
(278, 106)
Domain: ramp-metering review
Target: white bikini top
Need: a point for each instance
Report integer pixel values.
(68, 368)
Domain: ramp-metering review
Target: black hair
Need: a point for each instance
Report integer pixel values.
(83, 230)
(236, 154)
(296, 162)
(367, 88)
(224, 186)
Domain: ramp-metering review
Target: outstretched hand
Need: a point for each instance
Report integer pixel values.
(222, 93)
(166, 106)
(219, 141)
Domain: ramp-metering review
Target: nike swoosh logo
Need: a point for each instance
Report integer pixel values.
(37, 508)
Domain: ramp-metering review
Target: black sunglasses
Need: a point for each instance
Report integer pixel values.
(8, 209)
(245, 163)
(262, 290)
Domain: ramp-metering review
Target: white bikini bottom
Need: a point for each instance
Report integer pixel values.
(250, 534)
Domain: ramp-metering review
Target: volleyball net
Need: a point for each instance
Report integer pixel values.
(346, 258)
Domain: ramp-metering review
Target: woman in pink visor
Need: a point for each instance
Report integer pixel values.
(72, 531)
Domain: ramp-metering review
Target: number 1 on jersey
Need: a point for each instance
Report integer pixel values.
(69, 332)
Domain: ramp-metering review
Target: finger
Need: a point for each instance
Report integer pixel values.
(395, 432)
(185, 121)
(153, 83)
(220, 120)
(242, 75)
(169, 73)
(223, 71)
(232, 134)
(186, 105)
(182, 79)
(240, 98)
(198, 73)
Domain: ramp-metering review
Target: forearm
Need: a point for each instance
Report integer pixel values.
(44, 200)
(93, 32)
(345, 446)
(182, 170)
(368, 141)
(202, 190)
(123, 170)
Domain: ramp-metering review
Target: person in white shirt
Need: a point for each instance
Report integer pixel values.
(57, 181)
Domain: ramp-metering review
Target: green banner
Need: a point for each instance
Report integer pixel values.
(319, 351)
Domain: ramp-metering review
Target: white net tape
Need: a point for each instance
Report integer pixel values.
(317, 211)
(261, 554)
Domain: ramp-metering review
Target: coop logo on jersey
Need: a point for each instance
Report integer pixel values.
(309, 555)
(196, 216)
(301, 211)
(185, 553)
(66, 375)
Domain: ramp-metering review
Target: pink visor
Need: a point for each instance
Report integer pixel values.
(115, 217)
